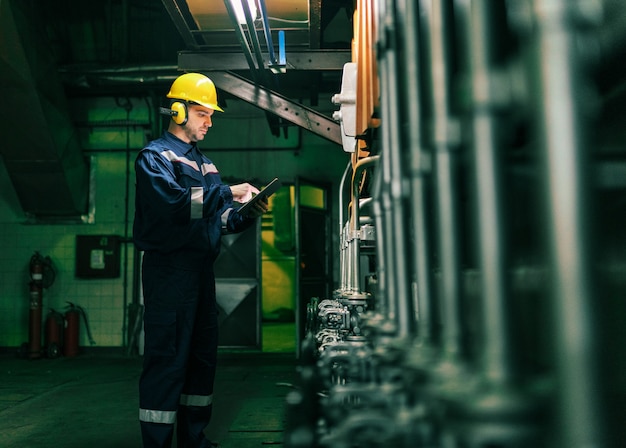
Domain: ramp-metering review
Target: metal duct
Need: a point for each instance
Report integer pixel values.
(40, 145)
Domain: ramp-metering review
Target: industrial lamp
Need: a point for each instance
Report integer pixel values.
(238, 5)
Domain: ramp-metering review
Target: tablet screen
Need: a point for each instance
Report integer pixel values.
(265, 192)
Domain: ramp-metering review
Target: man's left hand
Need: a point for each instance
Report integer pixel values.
(259, 208)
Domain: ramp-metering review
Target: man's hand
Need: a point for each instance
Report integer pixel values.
(243, 192)
(258, 209)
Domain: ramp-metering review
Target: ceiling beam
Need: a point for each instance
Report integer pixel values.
(183, 20)
(277, 104)
(313, 60)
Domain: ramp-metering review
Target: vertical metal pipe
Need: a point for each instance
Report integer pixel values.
(352, 262)
(355, 226)
(395, 174)
(384, 174)
(343, 230)
(354, 253)
(496, 359)
(387, 233)
(402, 262)
(419, 166)
(446, 136)
(382, 302)
(300, 312)
(562, 92)
(342, 187)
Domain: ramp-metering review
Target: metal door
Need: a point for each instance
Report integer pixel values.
(313, 261)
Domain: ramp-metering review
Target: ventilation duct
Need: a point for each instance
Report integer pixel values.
(39, 143)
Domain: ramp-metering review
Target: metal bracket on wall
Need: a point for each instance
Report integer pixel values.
(279, 105)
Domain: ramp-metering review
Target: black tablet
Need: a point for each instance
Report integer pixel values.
(265, 192)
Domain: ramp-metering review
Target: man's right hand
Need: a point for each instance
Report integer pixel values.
(243, 192)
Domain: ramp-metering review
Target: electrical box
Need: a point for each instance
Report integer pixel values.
(97, 256)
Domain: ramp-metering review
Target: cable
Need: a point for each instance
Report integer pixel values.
(278, 19)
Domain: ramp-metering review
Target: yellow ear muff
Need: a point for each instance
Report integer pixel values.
(180, 117)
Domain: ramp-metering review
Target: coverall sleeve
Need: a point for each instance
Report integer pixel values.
(158, 184)
(233, 222)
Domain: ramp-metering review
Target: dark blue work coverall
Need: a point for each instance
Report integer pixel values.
(181, 210)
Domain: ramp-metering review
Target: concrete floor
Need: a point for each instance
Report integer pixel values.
(90, 401)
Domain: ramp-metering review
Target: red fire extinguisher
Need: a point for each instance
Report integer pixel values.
(41, 276)
(34, 320)
(54, 334)
(72, 329)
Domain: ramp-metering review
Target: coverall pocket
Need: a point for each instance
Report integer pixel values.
(160, 329)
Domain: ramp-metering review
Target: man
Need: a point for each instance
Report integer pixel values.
(181, 210)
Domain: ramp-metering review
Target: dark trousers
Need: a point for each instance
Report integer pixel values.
(181, 334)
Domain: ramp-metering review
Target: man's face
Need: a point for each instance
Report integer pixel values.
(198, 122)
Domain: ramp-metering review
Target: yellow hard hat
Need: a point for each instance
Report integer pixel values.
(195, 88)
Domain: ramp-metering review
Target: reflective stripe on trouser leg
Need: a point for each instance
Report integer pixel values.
(157, 427)
(196, 401)
(170, 296)
(152, 416)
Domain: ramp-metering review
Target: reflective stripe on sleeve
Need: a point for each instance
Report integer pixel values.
(152, 416)
(172, 157)
(208, 168)
(197, 202)
(225, 221)
(196, 400)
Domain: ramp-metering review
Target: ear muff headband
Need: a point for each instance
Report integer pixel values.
(180, 109)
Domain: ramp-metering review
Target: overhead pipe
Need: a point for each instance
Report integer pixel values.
(254, 37)
(268, 32)
(258, 73)
(245, 45)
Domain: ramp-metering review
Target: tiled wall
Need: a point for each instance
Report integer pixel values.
(104, 300)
